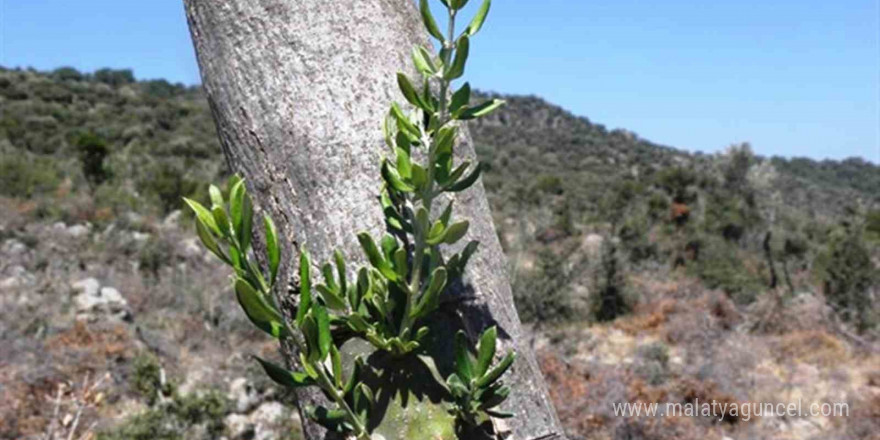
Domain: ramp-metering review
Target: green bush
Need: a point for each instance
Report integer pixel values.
(721, 266)
(166, 185)
(67, 74)
(173, 420)
(114, 77)
(146, 380)
(609, 298)
(848, 276)
(92, 151)
(26, 177)
(541, 295)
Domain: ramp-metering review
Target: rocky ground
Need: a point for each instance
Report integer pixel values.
(129, 330)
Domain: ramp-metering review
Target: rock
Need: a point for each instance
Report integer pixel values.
(59, 227)
(94, 302)
(77, 231)
(140, 237)
(18, 277)
(172, 220)
(592, 244)
(88, 286)
(243, 395)
(13, 247)
(10, 283)
(269, 421)
(191, 248)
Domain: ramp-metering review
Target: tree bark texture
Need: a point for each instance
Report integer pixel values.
(298, 89)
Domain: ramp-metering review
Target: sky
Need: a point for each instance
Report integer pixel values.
(792, 77)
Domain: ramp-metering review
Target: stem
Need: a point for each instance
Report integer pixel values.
(327, 384)
(420, 236)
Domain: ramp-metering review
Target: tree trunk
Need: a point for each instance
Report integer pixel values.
(298, 89)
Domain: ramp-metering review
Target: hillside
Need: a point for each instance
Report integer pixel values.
(647, 273)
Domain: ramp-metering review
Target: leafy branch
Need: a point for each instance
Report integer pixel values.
(389, 301)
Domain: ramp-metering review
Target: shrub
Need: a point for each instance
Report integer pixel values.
(25, 177)
(67, 74)
(849, 274)
(114, 77)
(167, 185)
(146, 378)
(92, 151)
(173, 420)
(721, 266)
(541, 295)
(872, 224)
(155, 254)
(609, 297)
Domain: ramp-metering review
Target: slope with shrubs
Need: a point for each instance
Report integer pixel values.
(678, 266)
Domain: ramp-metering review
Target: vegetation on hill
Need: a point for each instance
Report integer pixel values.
(576, 199)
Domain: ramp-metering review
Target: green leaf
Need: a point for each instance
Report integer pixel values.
(363, 400)
(388, 245)
(435, 236)
(236, 196)
(307, 366)
(409, 92)
(273, 247)
(455, 386)
(244, 228)
(423, 62)
(336, 363)
(209, 241)
(431, 298)
(339, 259)
(222, 221)
(497, 371)
(305, 286)
(419, 176)
(468, 252)
(375, 257)
(494, 396)
(393, 179)
(480, 110)
(329, 277)
(445, 140)
(400, 263)
(457, 4)
(455, 232)
(264, 316)
(216, 196)
(203, 215)
(467, 182)
(357, 323)
(404, 164)
(332, 419)
(325, 339)
(463, 366)
(388, 129)
(500, 414)
(447, 214)
(429, 363)
(333, 299)
(460, 98)
(462, 50)
(283, 377)
(403, 121)
(428, 19)
(486, 350)
(479, 18)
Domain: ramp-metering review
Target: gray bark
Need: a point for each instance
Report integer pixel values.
(298, 90)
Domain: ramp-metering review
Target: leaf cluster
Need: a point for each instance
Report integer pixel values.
(388, 301)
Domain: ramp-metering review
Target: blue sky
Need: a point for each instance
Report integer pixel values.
(793, 77)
